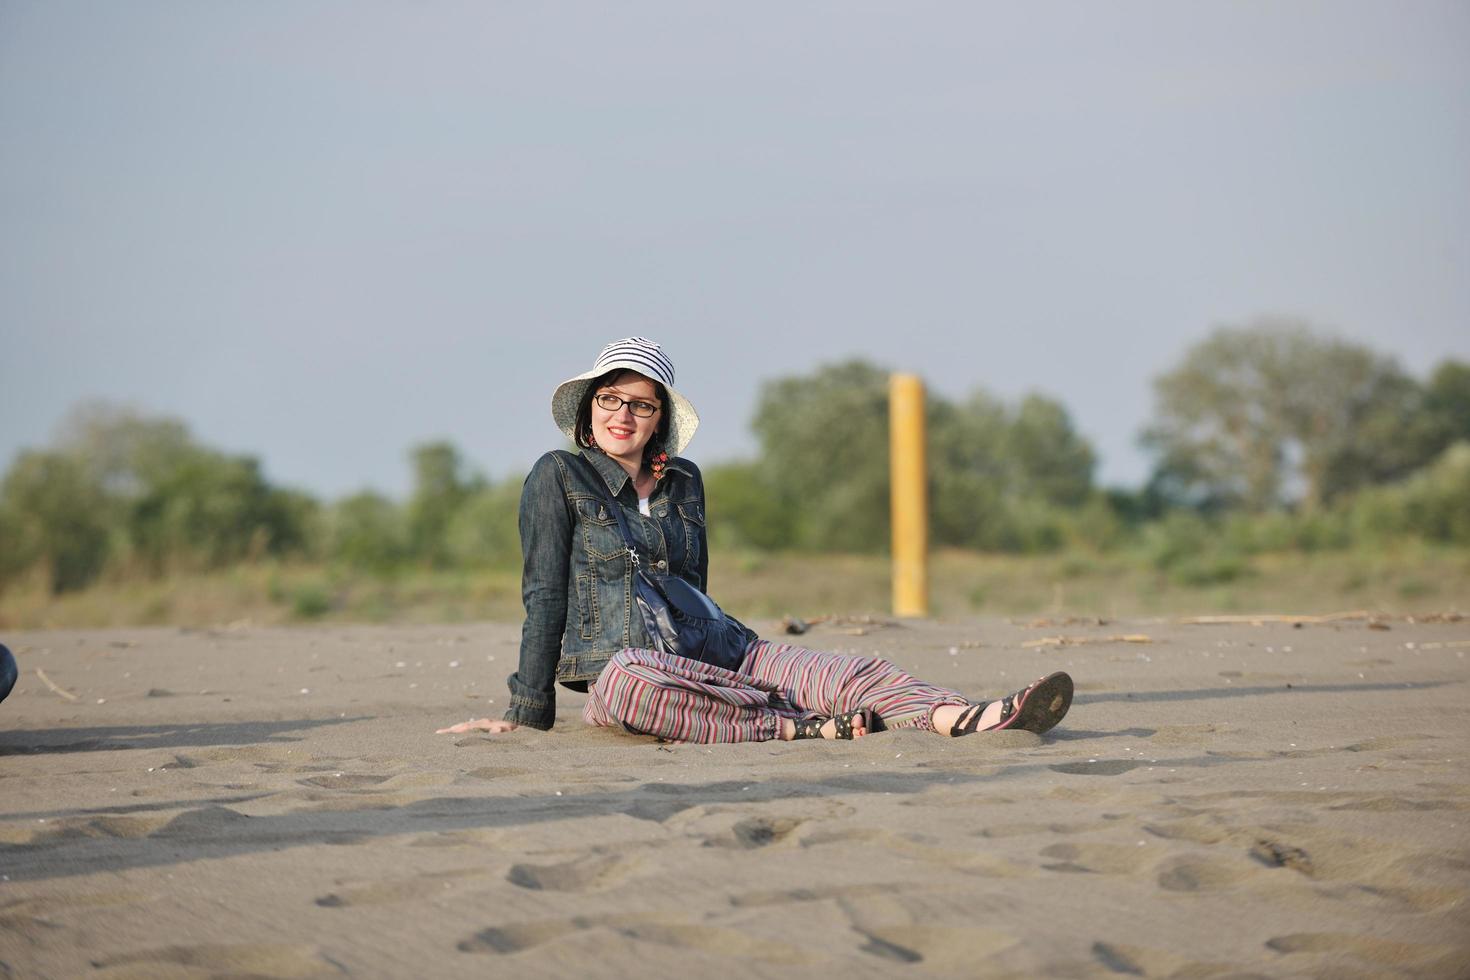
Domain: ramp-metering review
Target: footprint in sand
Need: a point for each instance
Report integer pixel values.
(1142, 961)
(908, 929)
(1397, 804)
(59, 832)
(492, 773)
(1400, 900)
(222, 826)
(1195, 829)
(356, 803)
(974, 862)
(579, 874)
(1194, 874)
(756, 832)
(798, 896)
(1108, 859)
(521, 936)
(1431, 863)
(345, 781)
(1388, 952)
(886, 949)
(1086, 793)
(942, 949)
(386, 892)
(1175, 736)
(257, 754)
(1384, 742)
(1102, 767)
(1260, 677)
(239, 960)
(33, 919)
(1328, 857)
(206, 823)
(1026, 829)
(17, 922)
(477, 837)
(715, 940)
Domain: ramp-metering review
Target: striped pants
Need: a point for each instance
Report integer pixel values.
(686, 701)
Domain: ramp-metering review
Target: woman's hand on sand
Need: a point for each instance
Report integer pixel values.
(479, 725)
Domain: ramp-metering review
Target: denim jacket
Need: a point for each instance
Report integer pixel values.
(576, 578)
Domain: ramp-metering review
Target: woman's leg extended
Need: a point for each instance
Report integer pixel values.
(683, 700)
(832, 684)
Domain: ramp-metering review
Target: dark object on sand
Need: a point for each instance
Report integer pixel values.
(1274, 854)
(8, 671)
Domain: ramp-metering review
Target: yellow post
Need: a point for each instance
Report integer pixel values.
(910, 500)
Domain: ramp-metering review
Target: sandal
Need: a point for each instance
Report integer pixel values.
(1036, 709)
(812, 727)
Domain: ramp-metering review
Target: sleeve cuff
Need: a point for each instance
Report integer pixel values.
(530, 714)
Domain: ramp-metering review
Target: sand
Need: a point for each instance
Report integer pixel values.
(1226, 800)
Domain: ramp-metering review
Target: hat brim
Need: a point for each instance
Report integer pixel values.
(567, 398)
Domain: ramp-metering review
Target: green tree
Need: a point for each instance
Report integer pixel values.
(54, 513)
(1433, 503)
(17, 548)
(440, 489)
(824, 444)
(124, 449)
(125, 453)
(1051, 461)
(208, 510)
(124, 486)
(297, 523)
(969, 480)
(745, 508)
(1264, 414)
(367, 530)
(485, 530)
(1447, 398)
(996, 475)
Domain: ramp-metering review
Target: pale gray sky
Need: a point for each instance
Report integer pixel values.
(322, 232)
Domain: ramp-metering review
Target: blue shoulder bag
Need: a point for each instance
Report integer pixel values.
(679, 618)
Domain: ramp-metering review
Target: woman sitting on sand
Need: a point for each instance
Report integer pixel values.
(583, 626)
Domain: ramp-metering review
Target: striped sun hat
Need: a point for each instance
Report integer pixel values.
(629, 354)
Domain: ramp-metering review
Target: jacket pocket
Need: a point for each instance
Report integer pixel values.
(600, 535)
(692, 514)
(586, 606)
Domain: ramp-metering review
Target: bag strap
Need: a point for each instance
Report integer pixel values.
(617, 510)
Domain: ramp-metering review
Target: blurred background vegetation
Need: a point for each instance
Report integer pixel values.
(1291, 469)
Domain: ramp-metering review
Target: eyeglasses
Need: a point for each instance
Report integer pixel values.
(609, 402)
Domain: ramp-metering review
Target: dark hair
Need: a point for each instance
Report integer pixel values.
(583, 427)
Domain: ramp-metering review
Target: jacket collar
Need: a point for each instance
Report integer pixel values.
(616, 477)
